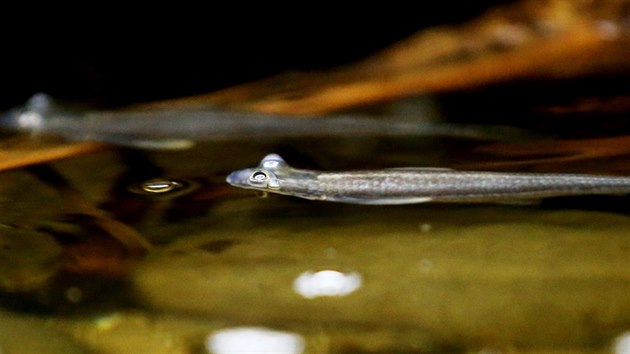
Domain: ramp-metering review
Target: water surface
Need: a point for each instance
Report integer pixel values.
(316, 277)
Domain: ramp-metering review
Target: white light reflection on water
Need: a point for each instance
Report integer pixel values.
(254, 340)
(326, 283)
(622, 344)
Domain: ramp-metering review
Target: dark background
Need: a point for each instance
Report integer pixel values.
(120, 58)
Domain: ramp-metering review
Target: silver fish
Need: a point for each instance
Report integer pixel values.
(180, 129)
(418, 185)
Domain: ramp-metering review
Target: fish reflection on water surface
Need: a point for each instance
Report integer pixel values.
(182, 128)
(417, 185)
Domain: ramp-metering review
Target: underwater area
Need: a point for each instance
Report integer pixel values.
(226, 264)
(114, 244)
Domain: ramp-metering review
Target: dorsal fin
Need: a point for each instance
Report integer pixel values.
(421, 169)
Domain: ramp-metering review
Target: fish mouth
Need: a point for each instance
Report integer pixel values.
(232, 178)
(9, 119)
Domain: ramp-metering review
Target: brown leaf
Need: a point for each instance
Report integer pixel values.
(528, 39)
(534, 38)
(24, 151)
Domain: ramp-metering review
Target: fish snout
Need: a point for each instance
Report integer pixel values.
(239, 178)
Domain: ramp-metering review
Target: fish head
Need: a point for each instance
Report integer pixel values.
(31, 117)
(262, 178)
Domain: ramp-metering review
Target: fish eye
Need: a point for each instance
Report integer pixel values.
(259, 177)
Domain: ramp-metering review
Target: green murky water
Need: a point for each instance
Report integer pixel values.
(330, 278)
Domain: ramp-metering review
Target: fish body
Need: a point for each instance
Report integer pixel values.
(416, 185)
(182, 128)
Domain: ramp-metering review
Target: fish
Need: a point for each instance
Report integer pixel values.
(172, 129)
(409, 185)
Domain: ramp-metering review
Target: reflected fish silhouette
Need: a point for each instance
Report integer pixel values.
(182, 128)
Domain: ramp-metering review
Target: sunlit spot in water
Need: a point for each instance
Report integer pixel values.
(254, 340)
(425, 265)
(326, 283)
(424, 227)
(621, 344)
